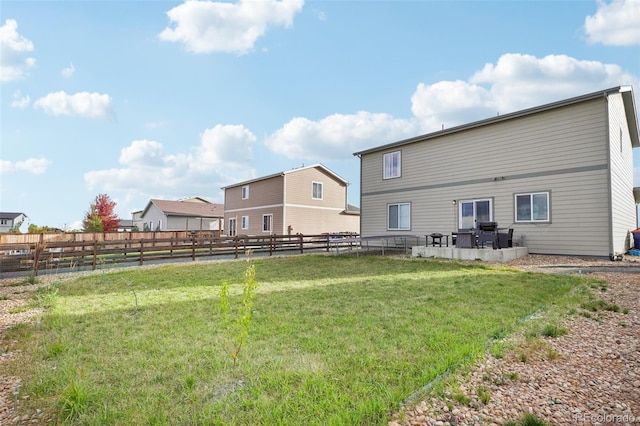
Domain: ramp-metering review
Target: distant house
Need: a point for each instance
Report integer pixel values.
(308, 200)
(191, 214)
(10, 220)
(125, 225)
(560, 175)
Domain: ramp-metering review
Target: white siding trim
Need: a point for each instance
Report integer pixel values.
(253, 208)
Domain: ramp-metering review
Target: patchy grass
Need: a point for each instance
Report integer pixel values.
(333, 340)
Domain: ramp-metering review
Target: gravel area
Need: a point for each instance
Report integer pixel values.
(590, 376)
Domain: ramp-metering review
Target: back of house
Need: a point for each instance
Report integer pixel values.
(560, 175)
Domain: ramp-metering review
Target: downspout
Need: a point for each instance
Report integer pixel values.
(609, 177)
(361, 210)
(284, 204)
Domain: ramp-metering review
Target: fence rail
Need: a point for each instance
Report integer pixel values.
(82, 254)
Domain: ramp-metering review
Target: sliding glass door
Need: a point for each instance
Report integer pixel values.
(474, 211)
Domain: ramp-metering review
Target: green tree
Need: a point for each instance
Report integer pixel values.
(35, 229)
(92, 221)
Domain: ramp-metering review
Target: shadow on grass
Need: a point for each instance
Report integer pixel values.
(332, 341)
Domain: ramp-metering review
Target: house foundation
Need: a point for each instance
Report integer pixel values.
(484, 254)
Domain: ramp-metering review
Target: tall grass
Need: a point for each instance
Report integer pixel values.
(333, 340)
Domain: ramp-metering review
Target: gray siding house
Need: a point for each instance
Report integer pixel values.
(8, 220)
(309, 200)
(191, 214)
(560, 175)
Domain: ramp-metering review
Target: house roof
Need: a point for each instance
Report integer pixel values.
(8, 215)
(187, 208)
(351, 209)
(318, 166)
(627, 97)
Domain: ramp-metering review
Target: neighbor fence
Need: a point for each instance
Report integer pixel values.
(65, 253)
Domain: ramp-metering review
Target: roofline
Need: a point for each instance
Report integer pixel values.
(627, 95)
(153, 201)
(258, 179)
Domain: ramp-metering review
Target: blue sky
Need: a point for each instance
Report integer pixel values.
(162, 99)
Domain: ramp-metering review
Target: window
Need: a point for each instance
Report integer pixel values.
(473, 211)
(391, 165)
(245, 192)
(245, 222)
(267, 220)
(232, 227)
(317, 191)
(398, 216)
(533, 207)
(4, 221)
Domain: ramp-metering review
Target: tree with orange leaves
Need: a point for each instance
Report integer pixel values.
(101, 217)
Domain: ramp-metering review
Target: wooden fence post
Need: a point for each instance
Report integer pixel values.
(95, 253)
(235, 240)
(141, 251)
(193, 247)
(301, 243)
(36, 259)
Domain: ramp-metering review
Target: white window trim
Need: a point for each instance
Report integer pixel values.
(270, 216)
(245, 192)
(313, 185)
(474, 200)
(531, 219)
(399, 228)
(233, 226)
(390, 156)
(244, 222)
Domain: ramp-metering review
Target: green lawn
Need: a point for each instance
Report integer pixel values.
(333, 340)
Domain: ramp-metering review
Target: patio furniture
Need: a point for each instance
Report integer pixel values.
(466, 238)
(488, 233)
(436, 238)
(505, 239)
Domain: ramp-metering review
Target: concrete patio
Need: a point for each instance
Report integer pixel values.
(484, 254)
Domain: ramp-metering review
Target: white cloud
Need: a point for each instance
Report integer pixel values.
(85, 104)
(36, 166)
(447, 103)
(206, 27)
(223, 156)
(614, 24)
(20, 101)
(515, 82)
(337, 136)
(13, 46)
(68, 71)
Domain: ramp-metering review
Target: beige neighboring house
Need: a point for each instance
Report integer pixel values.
(9, 220)
(190, 214)
(560, 175)
(309, 200)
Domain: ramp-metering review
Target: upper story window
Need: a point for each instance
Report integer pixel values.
(245, 222)
(398, 216)
(392, 165)
(317, 191)
(245, 192)
(532, 207)
(4, 221)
